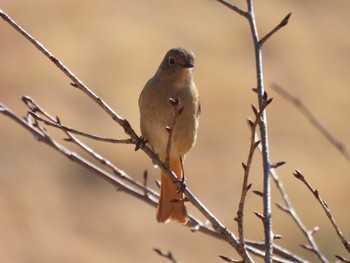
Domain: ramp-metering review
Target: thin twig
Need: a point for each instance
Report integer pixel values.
(325, 207)
(117, 171)
(283, 23)
(55, 122)
(313, 120)
(76, 82)
(245, 187)
(234, 8)
(288, 208)
(34, 107)
(81, 133)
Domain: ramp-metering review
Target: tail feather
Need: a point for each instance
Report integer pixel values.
(171, 205)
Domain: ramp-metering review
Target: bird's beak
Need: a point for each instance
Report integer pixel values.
(188, 65)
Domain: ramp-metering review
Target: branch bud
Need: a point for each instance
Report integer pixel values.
(298, 175)
(278, 164)
(268, 101)
(250, 123)
(261, 216)
(248, 187)
(277, 236)
(265, 96)
(256, 143)
(256, 112)
(259, 193)
(285, 20)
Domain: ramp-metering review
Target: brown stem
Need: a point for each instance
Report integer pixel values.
(325, 207)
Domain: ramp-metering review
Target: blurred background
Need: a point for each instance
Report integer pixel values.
(52, 210)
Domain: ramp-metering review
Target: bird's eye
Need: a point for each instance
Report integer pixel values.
(171, 61)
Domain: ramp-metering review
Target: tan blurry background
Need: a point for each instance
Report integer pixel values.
(52, 210)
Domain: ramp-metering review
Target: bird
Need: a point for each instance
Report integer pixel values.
(172, 81)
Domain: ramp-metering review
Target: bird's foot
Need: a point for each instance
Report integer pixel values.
(140, 143)
(181, 187)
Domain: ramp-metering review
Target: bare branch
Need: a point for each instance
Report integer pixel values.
(221, 232)
(228, 235)
(76, 82)
(324, 205)
(118, 183)
(263, 135)
(288, 208)
(245, 187)
(71, 130)
(267, 166)
(263, 129)
(117, 171)
(313, 120)
(44, 137)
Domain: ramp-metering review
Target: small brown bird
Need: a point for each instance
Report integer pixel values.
(172, 80)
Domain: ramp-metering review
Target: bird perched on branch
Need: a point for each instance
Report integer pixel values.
(173, 81)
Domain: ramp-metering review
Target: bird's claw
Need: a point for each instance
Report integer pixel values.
(140, 143)
(181, 185)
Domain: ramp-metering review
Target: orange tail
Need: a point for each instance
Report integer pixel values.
(170, 205)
